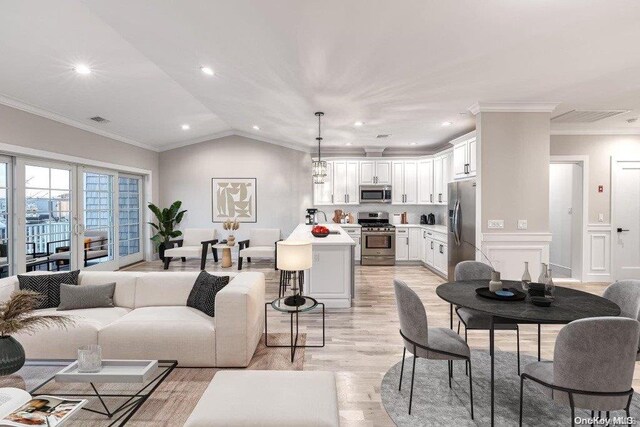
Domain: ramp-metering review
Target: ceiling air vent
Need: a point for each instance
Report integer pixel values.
(586, 116)
(383, 135)
(99, 119)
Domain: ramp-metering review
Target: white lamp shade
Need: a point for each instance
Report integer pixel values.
(294, 255)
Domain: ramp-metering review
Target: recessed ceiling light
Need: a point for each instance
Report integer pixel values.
(207, 70)
(447, 123)
(185, 127)
(256, 127)
(82, 69)
(412, 143)
(348, 143)
(358, 124)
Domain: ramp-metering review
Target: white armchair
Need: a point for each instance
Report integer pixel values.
(195, 243)
(261, 244)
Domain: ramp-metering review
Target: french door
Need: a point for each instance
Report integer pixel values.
(6, 232)
(69, 217)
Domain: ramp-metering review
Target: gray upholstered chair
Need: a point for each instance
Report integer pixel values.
(592, 366)
(423, 341)
(475, 320)
(626, 293)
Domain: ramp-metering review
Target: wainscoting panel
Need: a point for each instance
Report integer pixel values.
(509, 251)
(598, 253)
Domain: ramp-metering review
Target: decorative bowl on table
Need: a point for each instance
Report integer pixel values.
(541, 301)
(320, 231)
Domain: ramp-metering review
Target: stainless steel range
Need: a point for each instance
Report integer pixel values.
(378, 239)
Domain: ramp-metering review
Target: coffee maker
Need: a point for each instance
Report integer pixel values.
(310, 217)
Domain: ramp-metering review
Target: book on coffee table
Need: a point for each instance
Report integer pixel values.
(18, 409)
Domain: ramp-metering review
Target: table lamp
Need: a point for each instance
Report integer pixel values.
(294, 257)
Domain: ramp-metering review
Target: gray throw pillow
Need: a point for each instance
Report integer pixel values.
(48, 285)
(203, 294)
(87, 296)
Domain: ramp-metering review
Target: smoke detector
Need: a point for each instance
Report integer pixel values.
(99, 119)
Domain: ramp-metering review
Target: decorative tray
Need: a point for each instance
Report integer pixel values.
(505, 294)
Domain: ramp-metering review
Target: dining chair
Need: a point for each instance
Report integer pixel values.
(473, 319)
(592, 367)
(626, 293)
(427, 342)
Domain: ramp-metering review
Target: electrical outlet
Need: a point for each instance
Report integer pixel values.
(600, 217)
(522, 224)
(496, 223)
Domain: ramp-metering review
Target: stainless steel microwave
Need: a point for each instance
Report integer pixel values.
(375, 194)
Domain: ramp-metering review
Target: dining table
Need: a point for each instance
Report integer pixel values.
(568, 305)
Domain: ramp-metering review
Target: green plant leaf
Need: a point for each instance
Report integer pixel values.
(179, 216)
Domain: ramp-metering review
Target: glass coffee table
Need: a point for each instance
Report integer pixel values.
(293, 311)
(144, 375)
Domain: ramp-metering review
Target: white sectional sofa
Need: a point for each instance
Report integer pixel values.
(150, 320)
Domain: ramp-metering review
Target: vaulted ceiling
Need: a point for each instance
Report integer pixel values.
(401, 67)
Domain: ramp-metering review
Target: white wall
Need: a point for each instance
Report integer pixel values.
(283, 181)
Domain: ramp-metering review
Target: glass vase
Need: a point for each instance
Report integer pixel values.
(543, 273)
(549, 286)
(526, 277)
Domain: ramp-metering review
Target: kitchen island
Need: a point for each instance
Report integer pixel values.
(331, 278)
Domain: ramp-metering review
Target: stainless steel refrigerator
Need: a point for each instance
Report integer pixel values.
(461, 214)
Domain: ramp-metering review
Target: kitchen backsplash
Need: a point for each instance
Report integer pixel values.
(413, 212)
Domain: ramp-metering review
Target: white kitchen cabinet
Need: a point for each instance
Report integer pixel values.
(356, 235)
(404, 182)
(425, 182)
(346, 182)
(440, 257)
(430, 250)
(415, 242)
(442, 167)
(464, 159)
(402, 244)
(375, 172)
(323, 193)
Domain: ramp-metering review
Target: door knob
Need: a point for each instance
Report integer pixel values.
(620, 230)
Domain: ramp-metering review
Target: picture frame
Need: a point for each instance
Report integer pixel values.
(234, 198)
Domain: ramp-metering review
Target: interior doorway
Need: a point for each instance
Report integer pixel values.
(566, 218)
(625, 216)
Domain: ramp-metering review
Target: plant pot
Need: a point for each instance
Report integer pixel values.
(11, 355)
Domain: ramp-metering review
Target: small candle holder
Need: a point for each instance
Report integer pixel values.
(89, 358)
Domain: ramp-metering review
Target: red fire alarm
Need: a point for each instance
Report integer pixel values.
(600, 188)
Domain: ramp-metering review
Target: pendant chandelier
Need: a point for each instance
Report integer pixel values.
(319, 167)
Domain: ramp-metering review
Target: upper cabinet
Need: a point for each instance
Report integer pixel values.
(346, 182)
(442, 167)
(374, 172)
(404, 182)
(425, 182)
(464, 158)
(323, 193)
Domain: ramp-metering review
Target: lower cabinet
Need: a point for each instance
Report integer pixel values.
(355, 234)
(440, 257)
(402, 244)
(415, 241)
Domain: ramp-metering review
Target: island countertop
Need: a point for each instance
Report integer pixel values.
(303, 232)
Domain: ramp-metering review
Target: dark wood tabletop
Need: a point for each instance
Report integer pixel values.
(569, 304)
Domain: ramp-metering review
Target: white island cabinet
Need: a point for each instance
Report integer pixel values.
(331, 277)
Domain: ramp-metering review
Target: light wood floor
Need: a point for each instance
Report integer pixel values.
(363, 341)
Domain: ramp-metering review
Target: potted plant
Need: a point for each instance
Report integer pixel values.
(16, 315)
(167, 218)
(231, 226)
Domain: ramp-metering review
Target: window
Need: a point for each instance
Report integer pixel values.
(129, 204)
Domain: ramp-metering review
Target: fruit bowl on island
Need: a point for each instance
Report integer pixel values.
(320, 231)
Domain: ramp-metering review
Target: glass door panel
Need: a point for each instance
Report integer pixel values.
(47, 217)
(97, 236)
(6, 264)
(129, 225)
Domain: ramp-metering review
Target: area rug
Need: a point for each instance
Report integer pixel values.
(172, 403)
(435, 404)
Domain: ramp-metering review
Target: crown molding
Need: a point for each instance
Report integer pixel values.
(630, 131)
(19, 105)
(513, 107)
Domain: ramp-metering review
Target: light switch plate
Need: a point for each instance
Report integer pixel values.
(522, 224)
(496, 223)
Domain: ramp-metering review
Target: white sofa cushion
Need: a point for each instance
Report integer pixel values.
(56, 343)
(268, 398)
(195, 236)
(186, 252)
(181, 333)
(259, 252)
(167, 287)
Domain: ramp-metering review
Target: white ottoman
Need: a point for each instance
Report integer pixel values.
(268, 398)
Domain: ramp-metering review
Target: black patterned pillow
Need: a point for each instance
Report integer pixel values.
(203, 294)
(48, 285)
